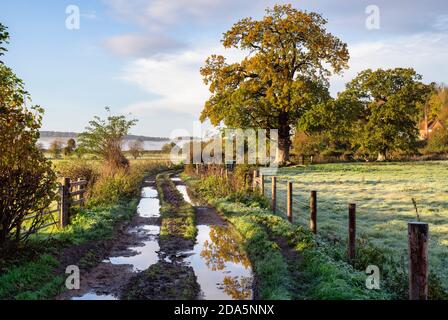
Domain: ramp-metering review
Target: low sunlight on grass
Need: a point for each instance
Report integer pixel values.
(383, 194)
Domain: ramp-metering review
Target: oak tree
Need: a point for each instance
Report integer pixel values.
(290, 57)
(386, 104)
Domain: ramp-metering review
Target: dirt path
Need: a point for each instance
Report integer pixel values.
(222, 267)
(139, 264)
(208, 216)
(102, 279)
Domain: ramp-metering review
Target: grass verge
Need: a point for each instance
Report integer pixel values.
(314, 275)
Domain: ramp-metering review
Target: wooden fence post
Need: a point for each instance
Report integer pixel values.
(289, 202)
(274, 194)
(254, 181)
(65, 203)
(352, 232)
(81, 195)
(418, 233)
(313, 212)
(262, 184)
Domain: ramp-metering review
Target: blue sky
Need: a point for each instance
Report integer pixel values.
(143, 56)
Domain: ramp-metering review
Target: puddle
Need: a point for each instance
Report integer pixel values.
(223, 271)
(183, 191)
(149, 192)
(145, 256)
(149, 208)
(144, 230)
(93, 296)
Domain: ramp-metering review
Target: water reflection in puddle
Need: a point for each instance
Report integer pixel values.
(183, 191)
(93, 296)
(222, 269)
(145, 256)
(149, 208)
(149, 192)
(147, 229)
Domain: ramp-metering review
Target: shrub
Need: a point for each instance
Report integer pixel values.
(110, 189)
(104, 138)
(27, 181)
(123, 184)
(79, 169)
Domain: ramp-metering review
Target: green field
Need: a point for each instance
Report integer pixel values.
(383, 194)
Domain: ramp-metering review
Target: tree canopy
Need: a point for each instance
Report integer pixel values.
(4, 38)
(378, 113)
(290, 58)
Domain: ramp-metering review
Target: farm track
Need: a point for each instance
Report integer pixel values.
(140, 263)
(101, 280)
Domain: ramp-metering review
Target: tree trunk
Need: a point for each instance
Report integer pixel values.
(381, 157)
(284, 140)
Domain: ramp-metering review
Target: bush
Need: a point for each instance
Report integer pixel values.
(123, 184)
(79, 169)
(437, 143)
(110, 189)
(27, 181)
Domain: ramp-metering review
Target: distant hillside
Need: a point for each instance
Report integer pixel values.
(68, 135)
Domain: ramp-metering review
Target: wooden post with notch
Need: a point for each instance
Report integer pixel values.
(274, 194)
(352, 232)
(65, 203)
(262, 184)
(313, 212)
(418, 235)
(289, 202)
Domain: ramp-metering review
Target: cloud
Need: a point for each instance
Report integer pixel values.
(425, 52)
(441, 23)
(173, 80)
(157, 14)
(396, 16)
(174, 83)
(137, 45)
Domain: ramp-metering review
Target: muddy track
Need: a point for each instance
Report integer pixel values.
(141, 264)
(99, 278)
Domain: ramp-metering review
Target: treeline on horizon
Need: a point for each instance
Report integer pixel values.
(59, 134)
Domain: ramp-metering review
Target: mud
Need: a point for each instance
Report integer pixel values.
(163, 281)
(139, 264)
(107, 266)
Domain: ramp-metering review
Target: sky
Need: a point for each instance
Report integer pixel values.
(142, 57)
